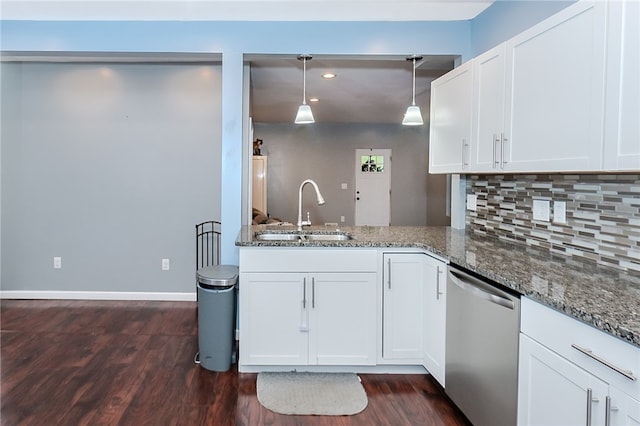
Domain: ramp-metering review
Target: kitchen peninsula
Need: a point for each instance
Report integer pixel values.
(605, 298)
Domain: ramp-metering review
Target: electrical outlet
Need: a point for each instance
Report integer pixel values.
(560, 212)
(165, 264)
(341, 218)
(472, 202)
(344, 186)
(57, 262)
(541, 210)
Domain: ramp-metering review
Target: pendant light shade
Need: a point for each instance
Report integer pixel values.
(304, 115)
(413, 116)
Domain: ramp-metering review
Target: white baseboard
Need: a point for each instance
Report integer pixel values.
(98, 295)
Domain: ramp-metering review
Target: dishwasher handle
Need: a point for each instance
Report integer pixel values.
(480, 289)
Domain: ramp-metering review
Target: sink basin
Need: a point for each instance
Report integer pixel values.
(328, 237)
(278, 237)
(283, 236)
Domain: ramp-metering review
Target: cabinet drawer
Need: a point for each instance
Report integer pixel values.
(570, 337)
(276, 259)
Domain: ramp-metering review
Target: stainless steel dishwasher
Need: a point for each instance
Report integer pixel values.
(481, 369)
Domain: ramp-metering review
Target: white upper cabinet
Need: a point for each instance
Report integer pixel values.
(488, 139)
(555, 85)
(622, 119)
(562, 96)
(450, 123)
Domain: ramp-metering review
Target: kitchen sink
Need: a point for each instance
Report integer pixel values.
(328, 237)
(277, 236)
(295, 237)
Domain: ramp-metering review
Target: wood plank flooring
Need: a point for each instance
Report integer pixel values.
(131, 363)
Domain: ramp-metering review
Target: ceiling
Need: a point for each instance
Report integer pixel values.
(244, 10)
(366, 89)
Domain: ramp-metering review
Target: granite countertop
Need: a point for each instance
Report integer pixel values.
(603, 297)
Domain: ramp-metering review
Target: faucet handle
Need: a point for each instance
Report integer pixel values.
(306, 222)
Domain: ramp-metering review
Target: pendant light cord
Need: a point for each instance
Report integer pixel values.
(304, 81)
(413, 99)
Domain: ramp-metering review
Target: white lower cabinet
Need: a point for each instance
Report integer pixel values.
(308, 319)
(554, 391)
(414, 311)
(434, 316)
(403, 280)
(572, 374)
(624, 410)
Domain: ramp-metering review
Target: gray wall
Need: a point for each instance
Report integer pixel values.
(326, 153)
(108, 166)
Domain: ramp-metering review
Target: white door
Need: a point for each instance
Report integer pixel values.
(373, 187)
(403, 279)
(342, 319)
(450, 128)
(434, 315)
(273, 336)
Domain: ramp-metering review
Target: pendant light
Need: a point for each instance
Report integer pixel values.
(304, 115)
(413, 116)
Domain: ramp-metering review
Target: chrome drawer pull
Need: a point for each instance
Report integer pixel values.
(589, 397)
(588, 352)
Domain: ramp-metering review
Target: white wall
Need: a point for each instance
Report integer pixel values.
(108, 166)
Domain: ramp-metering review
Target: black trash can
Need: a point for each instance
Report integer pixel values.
(217, 316)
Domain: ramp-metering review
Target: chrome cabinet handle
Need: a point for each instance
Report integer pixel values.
(589, 396)
(304, 293)
(304, 325)
(389, 274)
(588, 352)
(438, 292)
(464, 146)
(313, 293)
(496, 141)
(607, 412)
(505, 140)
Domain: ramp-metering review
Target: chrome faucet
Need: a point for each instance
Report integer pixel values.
(302, 223)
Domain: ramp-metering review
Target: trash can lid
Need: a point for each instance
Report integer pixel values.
(218, 275)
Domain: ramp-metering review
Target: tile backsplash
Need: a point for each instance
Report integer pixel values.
(602, 214)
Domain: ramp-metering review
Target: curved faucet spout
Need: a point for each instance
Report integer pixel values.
(319, 196)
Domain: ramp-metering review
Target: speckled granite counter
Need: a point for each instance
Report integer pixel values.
(605, 298)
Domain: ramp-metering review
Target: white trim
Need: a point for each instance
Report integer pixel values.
(243, 10)
(360, 369)
(98, 295)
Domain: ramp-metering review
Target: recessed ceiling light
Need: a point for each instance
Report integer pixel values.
(313, 99)
(328, 75)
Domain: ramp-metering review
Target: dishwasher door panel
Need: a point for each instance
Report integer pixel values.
(483, 325)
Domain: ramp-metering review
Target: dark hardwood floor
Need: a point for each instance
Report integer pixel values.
(131, 363)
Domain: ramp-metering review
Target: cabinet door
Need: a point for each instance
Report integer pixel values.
(274, 321)
(450, 123)
(553, 391)
(342, 319)
(488, 117)
(403, 281)
(555, 85)
(623, 410)
(622, 126)
(434, 318)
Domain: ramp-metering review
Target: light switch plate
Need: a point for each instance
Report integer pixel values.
(344, 186)
(472, 202)
(560, 212)
(541, 210)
